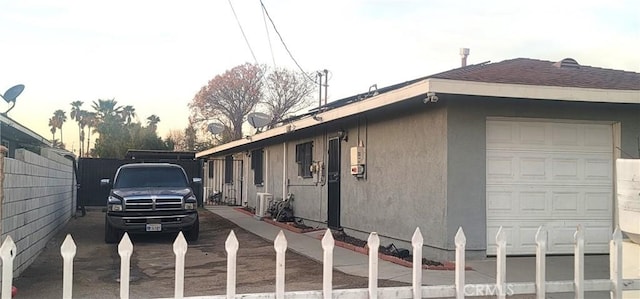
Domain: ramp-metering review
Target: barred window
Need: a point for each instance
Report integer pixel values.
(304, 157)
(257, 166)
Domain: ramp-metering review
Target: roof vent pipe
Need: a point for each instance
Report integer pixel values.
(464, 52)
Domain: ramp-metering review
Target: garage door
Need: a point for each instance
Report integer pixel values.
(556, 174)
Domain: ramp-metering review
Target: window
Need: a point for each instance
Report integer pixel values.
(256, 165)
(210, 169)
(228, 169)
(304, 159)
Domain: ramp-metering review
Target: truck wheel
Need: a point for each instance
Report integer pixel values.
(111, 235)
(193, 233)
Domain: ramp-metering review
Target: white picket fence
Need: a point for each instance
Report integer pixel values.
(501, 289)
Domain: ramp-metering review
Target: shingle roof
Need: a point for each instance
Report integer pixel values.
(565, 73)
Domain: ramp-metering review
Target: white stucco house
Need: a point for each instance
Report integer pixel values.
(518, 143)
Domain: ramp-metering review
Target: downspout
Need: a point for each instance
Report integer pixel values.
(266, 166)
(284, 170)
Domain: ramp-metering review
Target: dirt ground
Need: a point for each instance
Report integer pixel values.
(97, 265)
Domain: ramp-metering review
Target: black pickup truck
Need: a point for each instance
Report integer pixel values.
(150, 198)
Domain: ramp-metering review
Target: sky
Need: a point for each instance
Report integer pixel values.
(156, 55)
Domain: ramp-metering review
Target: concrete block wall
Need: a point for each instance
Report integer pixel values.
(38, 199)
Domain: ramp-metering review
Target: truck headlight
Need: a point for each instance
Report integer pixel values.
(190, 206)
(114, 204)
(114, 208)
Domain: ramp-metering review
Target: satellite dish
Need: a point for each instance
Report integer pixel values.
(215, 128)
(12, 93)
(258, 119)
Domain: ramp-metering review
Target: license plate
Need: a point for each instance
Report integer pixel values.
(155, 227)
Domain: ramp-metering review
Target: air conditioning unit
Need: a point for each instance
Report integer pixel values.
(262, 203)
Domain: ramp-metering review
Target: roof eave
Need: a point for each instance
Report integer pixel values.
(444, 86)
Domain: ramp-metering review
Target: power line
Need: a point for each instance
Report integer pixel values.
(241, 30)
(266, 28)
(283, 43)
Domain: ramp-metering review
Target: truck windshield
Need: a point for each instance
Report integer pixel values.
(150, 177)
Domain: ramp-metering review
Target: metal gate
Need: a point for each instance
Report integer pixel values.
(224, 177)
(91, 170)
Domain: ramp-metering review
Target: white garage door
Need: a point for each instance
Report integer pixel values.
(556, 174)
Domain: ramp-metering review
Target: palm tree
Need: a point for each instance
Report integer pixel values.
(152, 121)
(91, 120)
(128, 113)
(106, 108)
(78, 114)
(60, 118)
(54, 127)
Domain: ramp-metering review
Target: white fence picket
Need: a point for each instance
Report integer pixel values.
(541, 262)
(328, 244)
(578, 263)
(615, 264)
(461, 243)
(231, 246)
(8, 252)
(615, 284)
(280, 245)
(417, 241)
(180, 250)
(501, 263)
(68, 252)
(125, 250)
(374, 243)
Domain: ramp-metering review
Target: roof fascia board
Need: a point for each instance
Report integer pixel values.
(387, 98)
(534, 91)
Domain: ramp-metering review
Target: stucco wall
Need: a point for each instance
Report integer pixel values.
(467, 150)
(405, 183)
(404, 187)
(38, 199)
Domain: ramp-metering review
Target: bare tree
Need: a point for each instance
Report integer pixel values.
(229, 97)
(287, 92)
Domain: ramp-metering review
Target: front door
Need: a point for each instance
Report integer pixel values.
(333, 174)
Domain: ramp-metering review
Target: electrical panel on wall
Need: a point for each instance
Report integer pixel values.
(358, 160)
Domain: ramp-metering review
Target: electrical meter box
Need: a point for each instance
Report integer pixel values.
(358, 160)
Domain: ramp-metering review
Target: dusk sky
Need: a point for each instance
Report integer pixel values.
(156, 55)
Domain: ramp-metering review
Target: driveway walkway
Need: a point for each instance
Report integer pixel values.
(519, 269)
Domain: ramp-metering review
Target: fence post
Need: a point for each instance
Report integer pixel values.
(231, 246)
(280, 245)
(125, 250)
(68, 252)
(374, 243)
(615, 264)
(416, 242)
(501, 263)
(578, 263)
(3, 153)
(461, 243)
(541, 262)
(328, 244)
(7, 253)
(180, 250)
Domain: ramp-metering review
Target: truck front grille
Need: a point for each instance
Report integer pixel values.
(154, 203)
